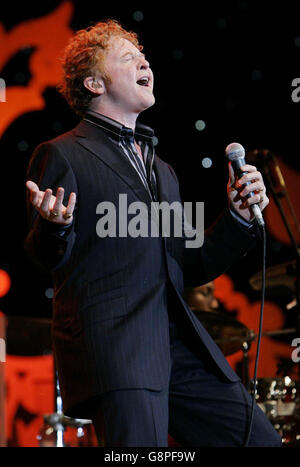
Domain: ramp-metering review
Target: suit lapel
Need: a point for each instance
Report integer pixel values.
(96, 142)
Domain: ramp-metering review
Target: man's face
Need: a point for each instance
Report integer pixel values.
(131, 79)
(202, 298)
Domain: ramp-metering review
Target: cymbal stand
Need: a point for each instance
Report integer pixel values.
(55, 424)
(52, 433)
(58, 425)
(245, 349)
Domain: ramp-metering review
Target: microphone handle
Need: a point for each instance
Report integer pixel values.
(236, 165)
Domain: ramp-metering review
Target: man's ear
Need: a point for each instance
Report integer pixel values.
(95, 85)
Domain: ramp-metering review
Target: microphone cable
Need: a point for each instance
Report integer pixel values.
(263, 286)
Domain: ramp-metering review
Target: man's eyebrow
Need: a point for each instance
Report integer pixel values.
(139, 54)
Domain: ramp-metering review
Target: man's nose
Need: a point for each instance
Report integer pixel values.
(214, 303)
(143, 64)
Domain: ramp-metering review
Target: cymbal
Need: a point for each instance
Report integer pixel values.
(226, 331)
(57, 418)
(280, 274)
(28, 336)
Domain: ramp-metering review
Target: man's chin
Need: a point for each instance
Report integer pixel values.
(148, 103)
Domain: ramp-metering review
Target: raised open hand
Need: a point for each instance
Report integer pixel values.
(51, 207)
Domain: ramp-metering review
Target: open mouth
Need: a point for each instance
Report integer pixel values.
(144, 81)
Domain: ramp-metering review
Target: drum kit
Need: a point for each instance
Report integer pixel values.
(278, 397)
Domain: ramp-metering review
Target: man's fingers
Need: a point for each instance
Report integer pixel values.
(250, 182)
(56, 208)
(256, 186)
(44, 207)
(51, 207)
(248, 168)
(72, 202)
(31, 185)
(70, 207)
(34, 198)
(250, 176)
(35, 193)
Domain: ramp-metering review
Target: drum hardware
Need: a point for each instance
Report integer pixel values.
(226, 331)
(230, 335)
(279, 399)
(32, 337)
(277, 275)
(245, 379)
(55, 425)
(287, 273)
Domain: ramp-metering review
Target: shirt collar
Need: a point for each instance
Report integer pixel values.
(116, 130)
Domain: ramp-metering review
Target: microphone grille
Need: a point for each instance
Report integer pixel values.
(234, 151)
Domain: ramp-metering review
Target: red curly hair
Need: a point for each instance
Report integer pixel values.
(83, 55)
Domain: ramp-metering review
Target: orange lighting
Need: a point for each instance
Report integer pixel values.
(5, 282)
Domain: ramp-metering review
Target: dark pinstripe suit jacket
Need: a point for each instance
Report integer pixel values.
(110, 320)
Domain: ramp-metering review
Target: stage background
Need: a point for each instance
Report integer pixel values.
(228, 64)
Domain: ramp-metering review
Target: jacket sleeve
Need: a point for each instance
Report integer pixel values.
(227, 241)
(47, 244)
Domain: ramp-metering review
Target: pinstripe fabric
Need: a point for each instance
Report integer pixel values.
(198, 408)
(110, 316)
(146, 425)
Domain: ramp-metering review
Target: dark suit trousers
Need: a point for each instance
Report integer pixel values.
(199, 408)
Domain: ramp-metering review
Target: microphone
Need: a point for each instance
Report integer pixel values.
(235, 153)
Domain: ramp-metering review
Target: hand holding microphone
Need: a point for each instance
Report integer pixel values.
(246, 189)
